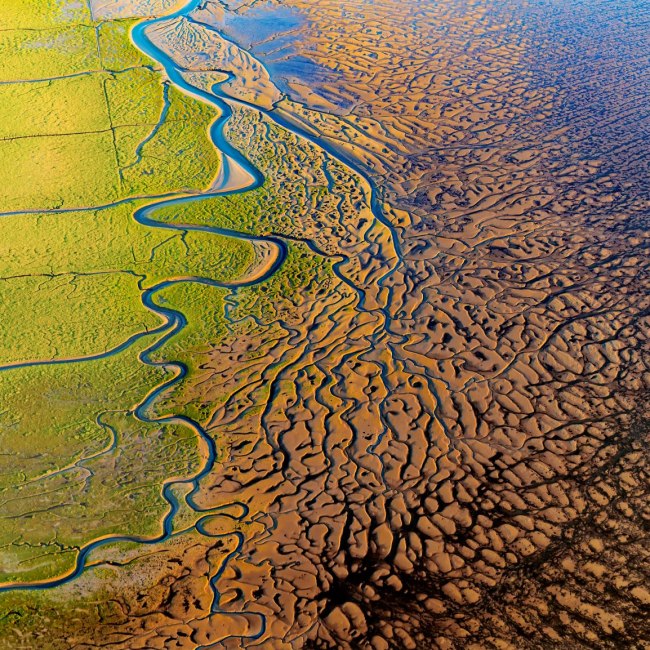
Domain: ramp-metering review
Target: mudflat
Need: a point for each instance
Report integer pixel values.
(324, 324)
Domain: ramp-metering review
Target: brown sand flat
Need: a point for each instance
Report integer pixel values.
(444, 443)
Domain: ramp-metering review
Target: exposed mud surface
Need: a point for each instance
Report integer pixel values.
(437, 435)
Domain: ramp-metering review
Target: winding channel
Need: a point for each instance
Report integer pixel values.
(175, 321)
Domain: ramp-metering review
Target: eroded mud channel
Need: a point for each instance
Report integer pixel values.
(372, 368)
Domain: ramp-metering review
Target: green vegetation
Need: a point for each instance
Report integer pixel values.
(73, 282)
(54, 500)
(92, 139)
(85, 122)
(90, 131)
(58, 182)
(117, 51)
(72, 107)
(49, 52)
(27, 14)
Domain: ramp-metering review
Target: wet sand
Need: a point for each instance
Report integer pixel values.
(442, 441)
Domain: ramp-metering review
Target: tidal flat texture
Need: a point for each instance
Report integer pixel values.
(324, 324)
